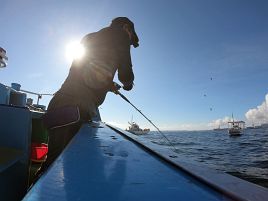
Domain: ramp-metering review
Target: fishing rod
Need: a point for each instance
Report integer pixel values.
(126, 99)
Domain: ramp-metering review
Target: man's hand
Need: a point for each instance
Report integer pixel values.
(128, 87)
(115, 88)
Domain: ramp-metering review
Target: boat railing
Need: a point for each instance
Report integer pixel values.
(39, 95)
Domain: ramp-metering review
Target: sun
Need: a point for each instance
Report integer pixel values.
(74, 50)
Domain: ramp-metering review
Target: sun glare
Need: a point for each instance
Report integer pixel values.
(74, 50)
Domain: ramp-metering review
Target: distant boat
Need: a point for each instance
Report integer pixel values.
(235, 128)
(257, 127)
(251, 127)
(265, 125)
(135, 129)
(218, 129)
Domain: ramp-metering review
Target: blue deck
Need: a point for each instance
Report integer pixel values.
(101, 164)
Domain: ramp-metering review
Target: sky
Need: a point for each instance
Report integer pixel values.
(198, 62)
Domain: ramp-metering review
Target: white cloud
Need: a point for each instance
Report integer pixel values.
(259, 114)
(220, 122)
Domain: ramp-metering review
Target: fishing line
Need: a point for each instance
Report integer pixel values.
(125, 98)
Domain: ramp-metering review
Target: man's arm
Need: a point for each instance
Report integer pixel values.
(125, 72)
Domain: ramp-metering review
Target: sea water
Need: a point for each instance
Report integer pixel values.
(244, 156)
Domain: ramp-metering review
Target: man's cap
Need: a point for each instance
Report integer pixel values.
(120, 21)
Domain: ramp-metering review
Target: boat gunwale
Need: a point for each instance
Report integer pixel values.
(229, 185)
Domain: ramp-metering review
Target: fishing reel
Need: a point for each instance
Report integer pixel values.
(115, 88)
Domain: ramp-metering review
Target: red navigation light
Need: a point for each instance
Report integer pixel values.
(39, 151)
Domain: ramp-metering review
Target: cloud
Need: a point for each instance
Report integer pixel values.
(219, 122)
(258, 114)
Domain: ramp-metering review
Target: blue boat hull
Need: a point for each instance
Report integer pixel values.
(105, 163)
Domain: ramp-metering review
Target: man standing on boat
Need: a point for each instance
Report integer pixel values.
(89, 80)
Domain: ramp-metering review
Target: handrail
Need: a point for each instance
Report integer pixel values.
(39, 95)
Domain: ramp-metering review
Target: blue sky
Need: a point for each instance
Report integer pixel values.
(198, 61)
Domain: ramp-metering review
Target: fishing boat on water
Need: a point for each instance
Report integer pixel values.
(135, 129)
(235, 128)
(101, 162)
